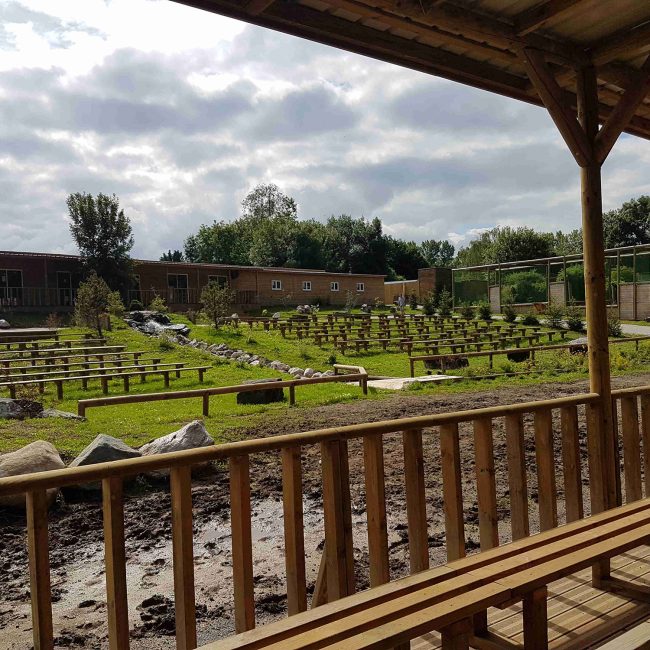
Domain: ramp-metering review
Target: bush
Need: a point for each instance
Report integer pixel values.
(554, 314)
(614, 327)
(429, 305)
(53, 321)
(574, 318)
(136, 305)
(331, 360)
(485, 311)
(413, 301)
(509, 313)
(92, 302)
(467, 312)
(444, 303)
(530, 319)
(191, 316)
(115, 304)
(158, 304)
(165, 344)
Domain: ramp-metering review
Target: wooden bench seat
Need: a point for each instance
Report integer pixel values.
(103, 363)
(29, 354)
(453, 597)
(43, 344)
(65, 358)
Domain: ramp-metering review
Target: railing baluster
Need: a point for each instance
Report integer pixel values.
(339, 568)
(373, 456)
(183, 553)
(452, 491)
(39, 569)
(571, 464)
(485, 484)
(546, 488)
(645, 434)
(294, 536)
(115, 561)
(517, 480)
(631, 449)
(242, 545)
(416, 507)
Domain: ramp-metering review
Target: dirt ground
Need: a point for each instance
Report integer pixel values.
(76, 540)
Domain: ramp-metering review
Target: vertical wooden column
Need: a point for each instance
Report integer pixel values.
(595, 288)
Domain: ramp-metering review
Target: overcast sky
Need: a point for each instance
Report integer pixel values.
(180, 112)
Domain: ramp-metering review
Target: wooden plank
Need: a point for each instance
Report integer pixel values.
(544, 14)
(183, 554)
(115, 562)
(242, 544)
(571, 467)
(336, 547)
(517, 480)
(373, 455)
(645, 435)
(485, 484)
(416, 507)
(546, 489)
(631, 449)
(452, 491)
(294, 535)
(39, 569)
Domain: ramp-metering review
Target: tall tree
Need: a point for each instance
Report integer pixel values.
(437, 253)
(267, 202)
(103, 235)
(404, 259)
(172, 256)
(629, 225)
(93, 300)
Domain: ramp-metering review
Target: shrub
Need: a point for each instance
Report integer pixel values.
(413, 301)
(350, 300)
(467, 312)
(92, 302)
(485, 311)
(530, 319)
(614, 327)
(115, 304)
(554, 314)
(53, 321)
(216, 301)
(509, 313)
(158, 304)
(165, 344)
(136, 305)
(574, 318)
(444, 303)
(429, 305)
(331, 360)
(191, 316)
(265, 312)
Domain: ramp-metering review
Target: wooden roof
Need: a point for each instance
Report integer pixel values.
(480, 43)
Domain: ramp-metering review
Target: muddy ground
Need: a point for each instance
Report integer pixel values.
(76, 538)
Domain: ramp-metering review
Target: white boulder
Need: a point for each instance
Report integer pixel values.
(191, 436)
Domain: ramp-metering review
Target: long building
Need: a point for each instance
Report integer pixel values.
(48, 282)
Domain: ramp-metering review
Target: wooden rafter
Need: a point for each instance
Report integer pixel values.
(626, 43)
(258, 6)
(553, 97)
(544, 14)
(623, 113)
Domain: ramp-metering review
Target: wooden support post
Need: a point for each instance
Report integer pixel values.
(115, 562)
(242, 545)
(39, 570)
(536, 620)
(452, 491)
(294, 540)
(292, 395)
(183, 554)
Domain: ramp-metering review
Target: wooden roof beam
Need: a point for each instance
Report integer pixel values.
(623, 113)
(626, 43)
(543, 15)
(256, 7)
(553, 97)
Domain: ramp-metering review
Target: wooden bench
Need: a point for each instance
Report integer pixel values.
(119, 362)
(124, 376)
(453, 598)
(35, 354)
(65, 358)
(43, 344)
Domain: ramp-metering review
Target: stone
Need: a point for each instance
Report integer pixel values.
(190, 436)
(4, 325)
(447, 362)
(308, 372)
(39, 456)
(263, 396)
(316, 375)
(519, 356)
(276, 316)
(64, 415)
(102, 449)
(19, 409)
(578, 346)
(295, 371)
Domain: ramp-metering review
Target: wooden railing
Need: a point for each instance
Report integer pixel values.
(357, 374)
(336, 578)
(532, 350)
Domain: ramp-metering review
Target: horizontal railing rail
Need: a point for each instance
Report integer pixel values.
(359, 375)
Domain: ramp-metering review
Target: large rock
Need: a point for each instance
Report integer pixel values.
(63, 415)
(518, 356)
(4, 325)
(191, 436)
(19, 409)
(264, 396)
(39, 456)
(579, 345)
(448, 363)
(103, 449)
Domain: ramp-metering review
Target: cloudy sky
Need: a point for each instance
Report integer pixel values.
(180, 113)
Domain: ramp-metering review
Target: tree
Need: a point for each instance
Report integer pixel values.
(437, 253)
(404, 258)
(568, 243)
(103, 235)
(216, 301)
(629, 225)
(93, 299)
(268, 202)
(172, 256)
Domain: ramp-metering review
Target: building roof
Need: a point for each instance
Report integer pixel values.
(203, 265)
(488, 44)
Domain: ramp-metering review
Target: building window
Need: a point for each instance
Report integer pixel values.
(306, 285)
(276, 285)
(177, 288)
(361, 286)
(11, 287)
(220, 280)
(334, 286)
(64, 287)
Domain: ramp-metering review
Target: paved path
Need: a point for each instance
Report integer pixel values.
(636, 330)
